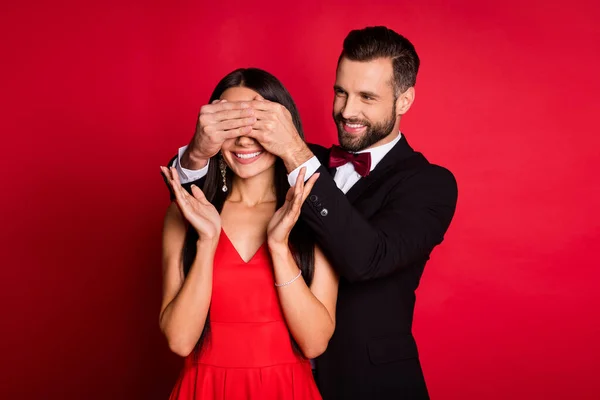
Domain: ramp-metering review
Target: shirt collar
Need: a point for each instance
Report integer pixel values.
(377, 153)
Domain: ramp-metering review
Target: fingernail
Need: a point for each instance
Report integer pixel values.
(244, 105)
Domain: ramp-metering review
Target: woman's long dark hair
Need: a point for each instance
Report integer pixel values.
(301, 241)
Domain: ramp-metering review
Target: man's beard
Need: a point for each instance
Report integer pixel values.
(373, 134)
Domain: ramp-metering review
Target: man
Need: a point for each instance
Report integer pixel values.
(377, 210)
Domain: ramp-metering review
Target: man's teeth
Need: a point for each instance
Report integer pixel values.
(354, 126)
(249, 155)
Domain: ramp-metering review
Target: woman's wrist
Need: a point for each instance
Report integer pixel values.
(278, 248)
(284, 265)
(207, 243)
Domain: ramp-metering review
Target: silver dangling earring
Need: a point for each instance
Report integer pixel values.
(223, 168)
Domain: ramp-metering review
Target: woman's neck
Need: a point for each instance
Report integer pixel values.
(254, 191)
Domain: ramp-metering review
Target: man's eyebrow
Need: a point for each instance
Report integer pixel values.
(370, 94)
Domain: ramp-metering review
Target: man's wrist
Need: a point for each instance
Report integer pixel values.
(192, 161)
(296, 156)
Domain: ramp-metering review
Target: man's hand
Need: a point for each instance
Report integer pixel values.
(217, 122)
(276, 132)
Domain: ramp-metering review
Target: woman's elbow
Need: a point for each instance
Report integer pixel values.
(316, 347)
(182, 348)
(314, 350)
(178, 343)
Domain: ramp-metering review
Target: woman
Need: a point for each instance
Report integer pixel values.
(248, 298)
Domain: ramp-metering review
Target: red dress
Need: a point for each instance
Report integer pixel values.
(248, 352)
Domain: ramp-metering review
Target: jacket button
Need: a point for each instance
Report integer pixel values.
(324, 212)
(313, 198)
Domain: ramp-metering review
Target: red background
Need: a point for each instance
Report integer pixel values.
(96, 96)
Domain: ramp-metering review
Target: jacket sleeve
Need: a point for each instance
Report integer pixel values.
(407, 226)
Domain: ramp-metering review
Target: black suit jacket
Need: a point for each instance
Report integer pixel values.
(378, 237)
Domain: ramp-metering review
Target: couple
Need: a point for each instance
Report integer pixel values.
(280, 252)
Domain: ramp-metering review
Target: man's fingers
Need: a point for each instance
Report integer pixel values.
(225, 115)
(234, 133)
(224, 105)
(263, 125)
(207, 119)
(264, 115)
(265, 105)
(257, 134)
(235, 123)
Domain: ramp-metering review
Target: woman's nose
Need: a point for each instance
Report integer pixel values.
(245, 141)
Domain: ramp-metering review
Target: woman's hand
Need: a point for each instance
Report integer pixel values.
(282, 222)
(198, 211)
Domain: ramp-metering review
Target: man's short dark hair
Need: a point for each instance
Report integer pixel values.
(380, 42)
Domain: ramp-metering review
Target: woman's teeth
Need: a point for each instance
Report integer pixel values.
(249, 155)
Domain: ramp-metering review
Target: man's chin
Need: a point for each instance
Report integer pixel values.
(349, 142)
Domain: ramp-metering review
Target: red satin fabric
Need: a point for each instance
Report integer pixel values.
(361, 161)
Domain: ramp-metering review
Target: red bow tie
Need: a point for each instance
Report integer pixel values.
(361, 161)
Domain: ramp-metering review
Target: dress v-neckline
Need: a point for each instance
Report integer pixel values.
(238, 253)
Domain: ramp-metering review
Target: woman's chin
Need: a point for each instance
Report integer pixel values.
(247, 172)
